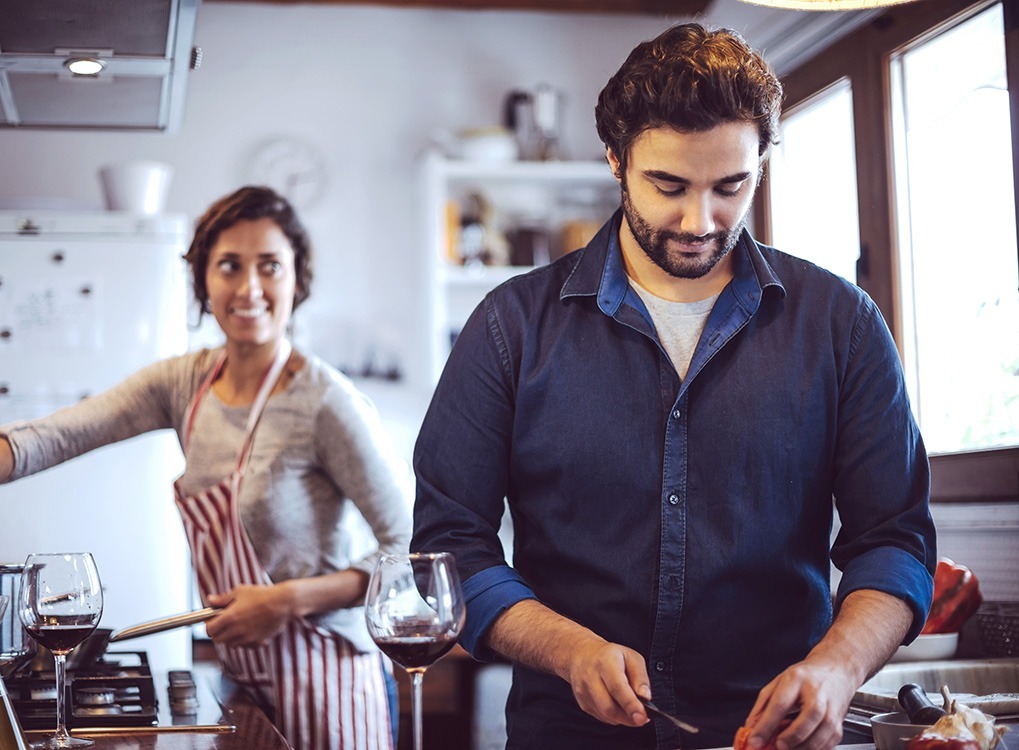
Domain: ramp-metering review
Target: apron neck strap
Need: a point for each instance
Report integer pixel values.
(264, 391)
(255, 413)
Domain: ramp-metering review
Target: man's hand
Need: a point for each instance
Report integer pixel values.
(605, 677)
(251, 615)
(867, 630)
(821, 692)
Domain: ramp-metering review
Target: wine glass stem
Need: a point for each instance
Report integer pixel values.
(415, 692)
(62, 736)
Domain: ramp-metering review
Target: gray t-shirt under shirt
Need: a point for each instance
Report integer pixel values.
(679, 324)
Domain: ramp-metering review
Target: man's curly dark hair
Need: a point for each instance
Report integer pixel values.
(691, 79)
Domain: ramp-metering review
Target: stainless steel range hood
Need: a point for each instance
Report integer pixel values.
(145, 47)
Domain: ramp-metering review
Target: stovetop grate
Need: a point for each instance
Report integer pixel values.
(117, 690)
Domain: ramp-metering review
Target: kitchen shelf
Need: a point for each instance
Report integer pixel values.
(562, 197)
(561, 173)
(483, 276)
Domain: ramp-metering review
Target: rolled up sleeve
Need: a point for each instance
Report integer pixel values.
(489, 593)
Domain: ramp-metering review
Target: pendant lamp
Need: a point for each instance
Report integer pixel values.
(827, 4)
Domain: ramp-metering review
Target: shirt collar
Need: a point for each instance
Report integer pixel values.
(600, 272)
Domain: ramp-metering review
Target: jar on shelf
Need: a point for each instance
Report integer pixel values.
(530, 242)
(581, 214)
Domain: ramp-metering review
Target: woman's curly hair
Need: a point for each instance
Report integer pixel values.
(690, 79)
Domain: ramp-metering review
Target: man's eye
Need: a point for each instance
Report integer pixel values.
(226, 266)
(272, 267)
(729, 189)
(669, 188)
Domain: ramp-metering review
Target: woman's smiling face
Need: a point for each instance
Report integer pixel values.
(250, 280)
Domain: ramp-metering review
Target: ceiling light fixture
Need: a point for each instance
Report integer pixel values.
(827, 4)
(85, 66)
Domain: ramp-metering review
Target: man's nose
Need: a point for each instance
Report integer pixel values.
(697, 215)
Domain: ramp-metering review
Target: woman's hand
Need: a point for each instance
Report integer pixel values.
(251, 614)
(6, 460)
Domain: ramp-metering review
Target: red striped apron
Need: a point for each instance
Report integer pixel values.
(323, 694)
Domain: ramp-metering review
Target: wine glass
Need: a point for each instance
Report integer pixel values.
(415, 611)
(61, 603)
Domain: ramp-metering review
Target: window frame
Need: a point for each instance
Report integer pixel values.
(863, 57)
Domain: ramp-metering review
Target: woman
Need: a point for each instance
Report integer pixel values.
(275, 443)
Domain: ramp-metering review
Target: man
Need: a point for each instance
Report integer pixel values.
(669, 412)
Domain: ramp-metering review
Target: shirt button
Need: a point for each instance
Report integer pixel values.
(677, 414)
(673, 499)
(660, 666)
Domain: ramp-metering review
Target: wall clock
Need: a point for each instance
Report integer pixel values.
(292, 167)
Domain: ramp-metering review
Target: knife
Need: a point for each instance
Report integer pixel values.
(165, 623)
(678, 722)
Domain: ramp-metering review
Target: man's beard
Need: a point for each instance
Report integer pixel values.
(655, 243)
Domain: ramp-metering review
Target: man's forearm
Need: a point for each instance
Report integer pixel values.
(605, 677)
(531, 634)
(868, 628)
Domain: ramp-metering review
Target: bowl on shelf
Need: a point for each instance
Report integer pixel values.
(928, 648)
(892, 731)
(491, 144)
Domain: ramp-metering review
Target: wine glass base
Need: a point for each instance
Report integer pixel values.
(56, 743)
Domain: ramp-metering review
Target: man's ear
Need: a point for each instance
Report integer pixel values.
(760, 165)
(760, 176)
(614, 164)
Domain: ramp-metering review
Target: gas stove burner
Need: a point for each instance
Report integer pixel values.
(95, 696)
(115, 691)
(111, 710)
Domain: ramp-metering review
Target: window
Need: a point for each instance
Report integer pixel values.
(921, 96)
(812, 175)
(957, 235)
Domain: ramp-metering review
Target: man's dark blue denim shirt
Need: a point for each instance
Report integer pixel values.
(687, 520)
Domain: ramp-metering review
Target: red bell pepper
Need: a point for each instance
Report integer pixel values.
(743, 734)
(931, 741)
(956, 597)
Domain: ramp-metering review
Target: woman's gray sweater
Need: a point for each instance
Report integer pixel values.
(319, 443)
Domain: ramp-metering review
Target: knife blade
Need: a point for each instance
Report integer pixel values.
(665, 715)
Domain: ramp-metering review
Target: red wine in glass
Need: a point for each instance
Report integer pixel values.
(60, 606)
(59, 637)
(415, 651)
(415, 611)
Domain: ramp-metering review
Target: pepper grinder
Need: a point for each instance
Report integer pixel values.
(918, 706)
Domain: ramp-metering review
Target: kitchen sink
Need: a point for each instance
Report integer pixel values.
(992, 685)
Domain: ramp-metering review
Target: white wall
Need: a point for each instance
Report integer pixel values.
(367, 86)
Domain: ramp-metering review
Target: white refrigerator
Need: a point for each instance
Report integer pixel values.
(86, 299)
